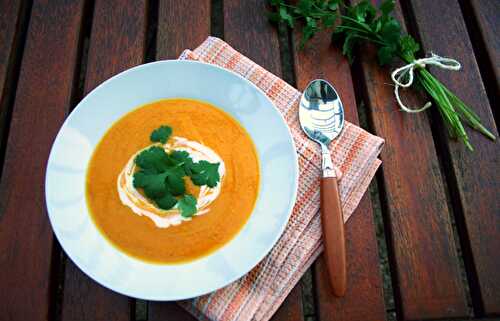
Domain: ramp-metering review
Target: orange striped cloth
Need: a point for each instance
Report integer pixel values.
(258, 294)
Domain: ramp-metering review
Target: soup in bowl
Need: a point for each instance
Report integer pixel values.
(148, 219)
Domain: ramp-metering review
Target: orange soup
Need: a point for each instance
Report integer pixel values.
(186, 239)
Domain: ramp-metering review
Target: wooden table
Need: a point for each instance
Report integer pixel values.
(424, 244)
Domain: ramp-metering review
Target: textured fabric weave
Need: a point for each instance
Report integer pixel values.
(258, 294)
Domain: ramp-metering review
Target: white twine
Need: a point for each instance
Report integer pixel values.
(399, 74)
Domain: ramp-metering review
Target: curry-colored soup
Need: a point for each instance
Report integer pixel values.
(137, 235)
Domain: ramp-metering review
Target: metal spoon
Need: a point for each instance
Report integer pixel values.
(321, 116)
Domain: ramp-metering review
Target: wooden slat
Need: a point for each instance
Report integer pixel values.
(364, 297)
(181, 25)
(291, 309)
(42, 101)
(476, 179)
(117, 42)
(162, 311)
(488, 20)
(10, 20)
(428, 278)
(247, 29)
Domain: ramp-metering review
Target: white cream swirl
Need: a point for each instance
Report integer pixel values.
(142, 206)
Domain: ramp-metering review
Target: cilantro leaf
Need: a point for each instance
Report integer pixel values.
(276, 2)
(161, 134)
(187, 205)
(329, 21)
(175, 181)
(315, 14)
(179, 156)
(153, 159)
(386, 7)
(390, 31)
(166, 202)
(304, 7)
(153, 184)
(408, 47)
(333, 5)
(183, 159)
(365, 22)
(205, 173)
(285, 16)
(363, 11)
(309, 30)
(385, 54)
(347, 48)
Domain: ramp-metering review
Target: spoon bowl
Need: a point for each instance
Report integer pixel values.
(321, 112)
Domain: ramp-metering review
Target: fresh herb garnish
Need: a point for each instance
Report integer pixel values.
(167, 201)
(153, 160)
(182, 158)
(161, 135)
(316, 14)
(205, 173)
(364, 22)
(187, 205)
(161, 174)
(153, 184)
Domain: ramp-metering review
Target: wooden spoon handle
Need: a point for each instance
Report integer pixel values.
(333, 234)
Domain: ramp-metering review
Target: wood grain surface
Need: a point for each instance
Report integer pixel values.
(13, 17)
(181, 25)
(42, 101)
(168, 311)
(10, 16)
(247, 29)
(291, 309)
(487, 17)
(363, 299)
(475, 175)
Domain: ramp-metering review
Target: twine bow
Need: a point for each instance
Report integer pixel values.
(399, 74)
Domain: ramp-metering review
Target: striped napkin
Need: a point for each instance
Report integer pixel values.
(258, 294)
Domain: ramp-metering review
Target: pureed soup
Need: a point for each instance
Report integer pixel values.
(173, 181)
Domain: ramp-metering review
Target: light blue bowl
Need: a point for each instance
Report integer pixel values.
(83, 129)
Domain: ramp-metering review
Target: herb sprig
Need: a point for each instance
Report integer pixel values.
(316, 14)
(364, 22)
(161, 175)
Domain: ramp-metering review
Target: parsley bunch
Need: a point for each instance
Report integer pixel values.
(161, 175)
(364, 22)
(316, 14)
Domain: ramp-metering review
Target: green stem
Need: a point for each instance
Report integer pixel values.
(356, 22)
(355, 29)
(320, 9)
(451, 118)
(364, 26)
(369, 39)
(465, 112)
